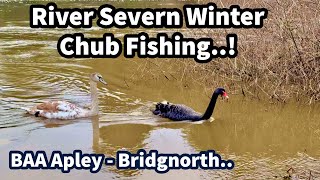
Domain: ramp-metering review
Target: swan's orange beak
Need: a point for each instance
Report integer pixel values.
(225, 95)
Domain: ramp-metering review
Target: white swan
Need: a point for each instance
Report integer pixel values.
(66, 110)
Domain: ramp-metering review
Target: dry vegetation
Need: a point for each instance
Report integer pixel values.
(279, 62)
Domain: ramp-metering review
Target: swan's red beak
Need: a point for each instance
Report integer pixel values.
(225, 95)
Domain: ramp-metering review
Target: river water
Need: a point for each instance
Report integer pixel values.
(263, 139)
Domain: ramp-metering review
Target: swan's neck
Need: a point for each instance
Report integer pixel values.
(210, 107)
(94, 98)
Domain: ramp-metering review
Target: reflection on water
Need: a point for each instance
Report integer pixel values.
(264, 140)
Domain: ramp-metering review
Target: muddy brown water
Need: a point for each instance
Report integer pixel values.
(263, 139)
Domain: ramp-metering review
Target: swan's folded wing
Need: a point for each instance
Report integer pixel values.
(65, 106)
(56, 106)
(183, 112)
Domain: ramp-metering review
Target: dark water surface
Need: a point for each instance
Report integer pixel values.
(264, 140)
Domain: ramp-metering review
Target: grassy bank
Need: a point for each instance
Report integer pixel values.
(279, 62)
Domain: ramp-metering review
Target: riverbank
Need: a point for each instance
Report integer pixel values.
(279, 62)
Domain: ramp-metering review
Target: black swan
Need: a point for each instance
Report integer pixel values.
(180, 112)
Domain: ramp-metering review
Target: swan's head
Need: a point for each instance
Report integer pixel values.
(96, 77)
(222, 92)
